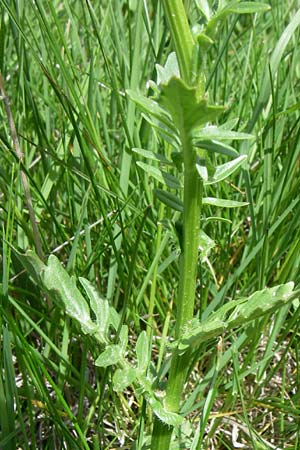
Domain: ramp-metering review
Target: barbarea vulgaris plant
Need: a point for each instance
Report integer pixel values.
(180, 113)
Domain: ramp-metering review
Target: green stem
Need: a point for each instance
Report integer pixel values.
(192, 202)
(187, 286)
(181, 35)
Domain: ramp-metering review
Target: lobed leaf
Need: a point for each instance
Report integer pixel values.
(170, 418)
(262, 302)
(184, 105)
(113, 354)
(62, 288)
(167, 417)
(124, 377)
(100, 307)
(236, 313)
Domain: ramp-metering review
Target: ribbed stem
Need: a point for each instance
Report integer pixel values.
(192, 201)
(181, 35)
(187, 285)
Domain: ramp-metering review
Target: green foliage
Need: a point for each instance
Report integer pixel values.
(96, 330)
(236, 313)
(187, 108)
(221, 172)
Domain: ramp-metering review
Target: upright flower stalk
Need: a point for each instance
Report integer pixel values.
(192, 201)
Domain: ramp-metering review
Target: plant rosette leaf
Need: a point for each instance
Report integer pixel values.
(142, 352)
(188, 111)
(167, 417)
(124, 377)
(235, 313)
(123, 338)
(62, 289)
(100, 307)
(113, 354)
(32, 263)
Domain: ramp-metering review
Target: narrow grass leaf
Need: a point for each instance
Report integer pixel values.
(275, 60)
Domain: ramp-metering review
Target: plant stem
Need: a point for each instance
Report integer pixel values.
(192, 202)
(187, 285)
(181, 35)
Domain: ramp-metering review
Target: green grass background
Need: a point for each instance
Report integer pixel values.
(66, 66)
